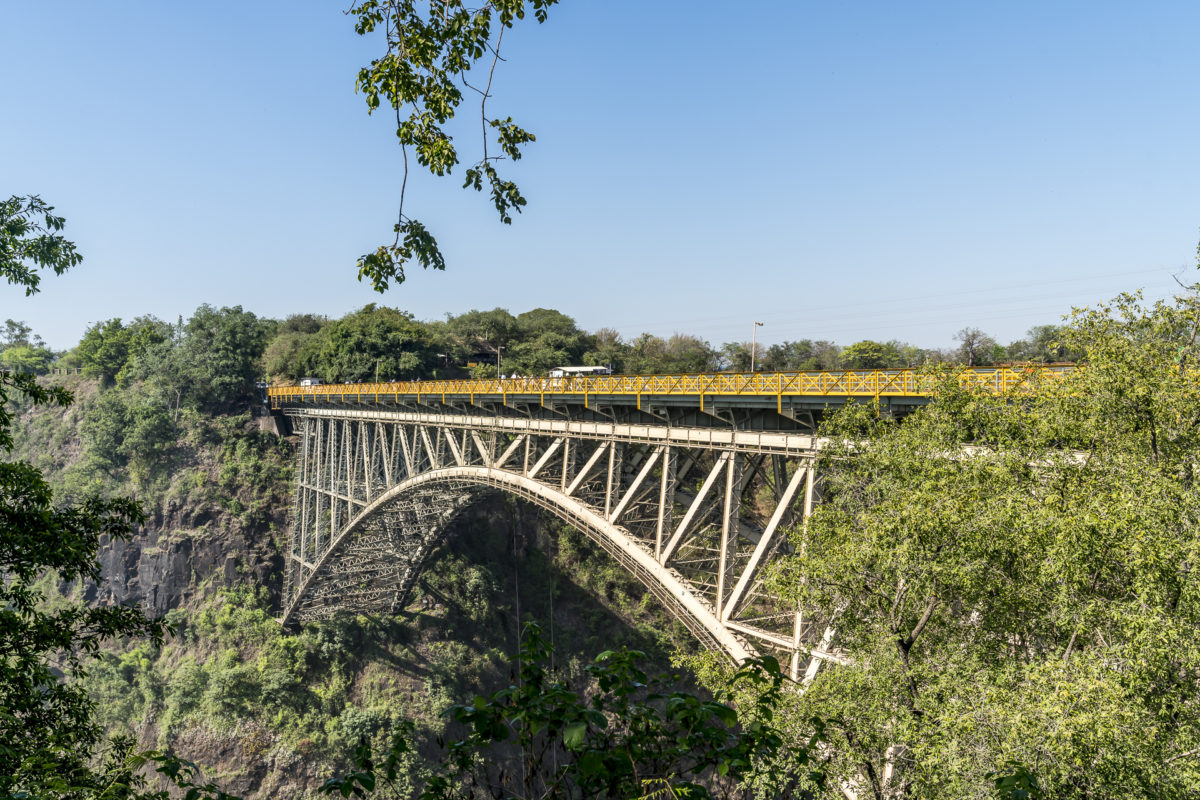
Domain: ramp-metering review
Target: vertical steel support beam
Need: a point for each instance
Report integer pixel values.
(613, 485)
(568, 450)
(779, 469)
(303, 493)
(349, 459)
(319, 491)
(365, 447)
(385, 453)
(729, 520)
(406, 449)
(797, 630)
(666, 499)
(333, 474)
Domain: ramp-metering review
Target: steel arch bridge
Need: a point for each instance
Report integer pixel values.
(690, 482)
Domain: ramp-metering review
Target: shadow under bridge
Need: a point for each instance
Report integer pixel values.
(697, 514)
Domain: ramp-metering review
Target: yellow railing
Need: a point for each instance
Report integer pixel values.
(850, 383)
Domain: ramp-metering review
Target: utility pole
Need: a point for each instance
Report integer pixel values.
(499, 347)
(754, 343)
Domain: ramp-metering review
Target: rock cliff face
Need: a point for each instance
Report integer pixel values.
(207, 526)
(167, 567)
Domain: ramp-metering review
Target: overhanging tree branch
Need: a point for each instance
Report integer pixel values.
(428, 53)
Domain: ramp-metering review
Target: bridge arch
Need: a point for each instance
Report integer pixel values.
(663, 582)
(694, 513)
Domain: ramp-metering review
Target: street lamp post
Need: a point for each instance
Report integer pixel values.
(499, 347)
(754, 343)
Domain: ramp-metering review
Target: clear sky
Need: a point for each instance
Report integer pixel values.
(836, 170)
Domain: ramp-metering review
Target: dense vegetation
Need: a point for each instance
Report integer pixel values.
(1031, 600)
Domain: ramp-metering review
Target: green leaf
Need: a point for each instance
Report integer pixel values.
(573, 735)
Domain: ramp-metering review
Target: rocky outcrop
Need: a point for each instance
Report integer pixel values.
(163, 568)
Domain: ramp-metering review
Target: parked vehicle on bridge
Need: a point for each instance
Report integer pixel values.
(310, 381)
(579, 372)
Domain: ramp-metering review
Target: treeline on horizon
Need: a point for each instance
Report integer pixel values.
(222, 351)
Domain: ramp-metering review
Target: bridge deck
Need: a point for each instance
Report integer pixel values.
(773, 388)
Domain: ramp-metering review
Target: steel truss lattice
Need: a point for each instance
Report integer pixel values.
(697, 516)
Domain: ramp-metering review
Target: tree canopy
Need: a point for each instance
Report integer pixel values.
(371, 344)
(107, 347)
(21, 350)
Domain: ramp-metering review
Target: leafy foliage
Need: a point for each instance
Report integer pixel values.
(429, 53)
(629, 735)
(649, 354)
(50, 740)
(108, 347)
(30, 241)
(371, 344)
(21, 350)
(219, 355)
(870, 355)
(1030, 600)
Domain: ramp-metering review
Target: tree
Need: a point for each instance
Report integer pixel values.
(374, 343)
(292, 350)
(47, 732)
(221, 354)
(541, 321)
(108, 347)
(607, 350)
(16, 334)
(544, 339)
(481, 332)
(977, 349)
(27, 358)
(649, 354)
(1042, 344)
(291, 355)
(1032, 600)
(736, 356)
(30, 241)
(427, 55)
(868, 354)
(800, 355)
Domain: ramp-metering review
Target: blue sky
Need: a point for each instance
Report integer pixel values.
(836, 170)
